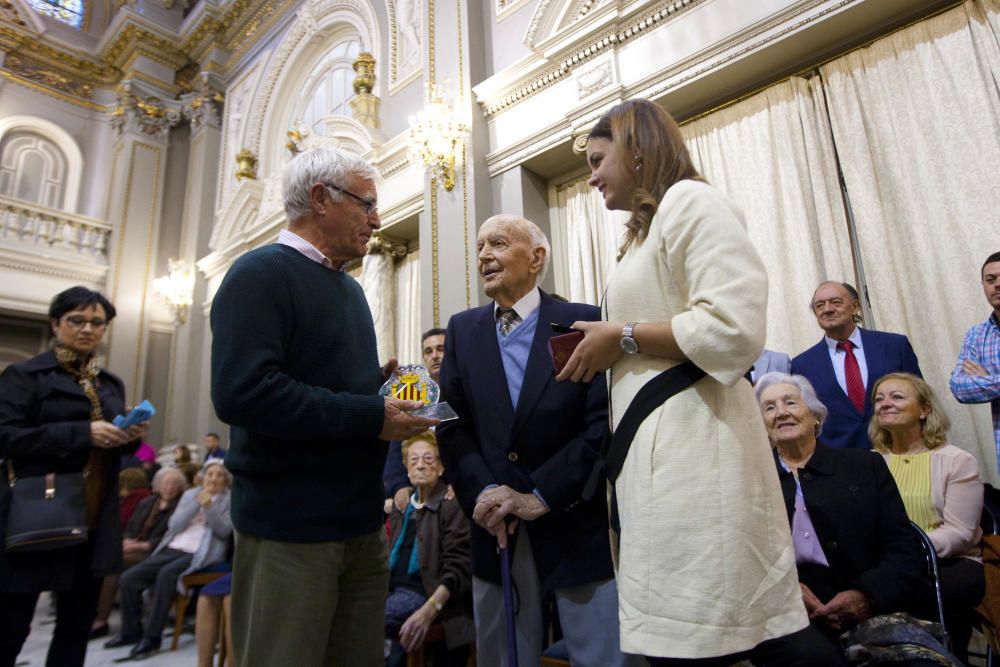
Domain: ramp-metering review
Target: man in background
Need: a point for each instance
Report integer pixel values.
(847, 361)
(213, 448)
(976, 378)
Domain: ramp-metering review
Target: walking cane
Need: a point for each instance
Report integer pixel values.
(508, 606)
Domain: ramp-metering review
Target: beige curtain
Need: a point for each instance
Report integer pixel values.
(772, 153)
(585, 240)
(916, 120)
(378, 280)
(408, 331)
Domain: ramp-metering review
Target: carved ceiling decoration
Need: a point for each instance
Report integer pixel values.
(38, 61)
(547, 24)
(8, 14)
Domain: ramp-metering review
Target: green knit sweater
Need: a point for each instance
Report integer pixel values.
(295, 373)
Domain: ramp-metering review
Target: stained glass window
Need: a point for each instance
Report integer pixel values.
(67, 11)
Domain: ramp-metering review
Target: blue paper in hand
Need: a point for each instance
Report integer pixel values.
(140, 413)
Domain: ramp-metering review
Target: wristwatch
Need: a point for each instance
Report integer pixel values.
(628, 343)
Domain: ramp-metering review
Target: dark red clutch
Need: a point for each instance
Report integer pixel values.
(561, 348)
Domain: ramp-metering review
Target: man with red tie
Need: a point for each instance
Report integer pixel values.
(847, 362)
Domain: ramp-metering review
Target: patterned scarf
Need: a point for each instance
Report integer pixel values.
(85, 372)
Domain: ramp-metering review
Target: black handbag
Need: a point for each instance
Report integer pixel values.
(46, 512)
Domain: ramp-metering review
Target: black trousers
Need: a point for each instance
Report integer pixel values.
(963, 585)
(161, 571)
(75, 611)
(806, 648)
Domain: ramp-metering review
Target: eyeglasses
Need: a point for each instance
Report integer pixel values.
(371, 207)
(76, 322)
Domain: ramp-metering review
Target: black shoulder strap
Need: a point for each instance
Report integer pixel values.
(652, 395)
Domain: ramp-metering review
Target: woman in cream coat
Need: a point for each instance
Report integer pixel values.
(706, 566)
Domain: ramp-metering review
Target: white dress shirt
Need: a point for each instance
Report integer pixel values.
(838, 357)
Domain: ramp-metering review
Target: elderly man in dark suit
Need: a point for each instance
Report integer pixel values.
(520, 454)
(847, 361)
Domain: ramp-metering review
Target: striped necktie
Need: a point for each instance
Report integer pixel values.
(507, 318)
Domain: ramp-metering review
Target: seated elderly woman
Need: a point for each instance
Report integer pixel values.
(429, 563)
(941, 491)
(197, 534)
(148, 524)
(857, 555)
(141, 535)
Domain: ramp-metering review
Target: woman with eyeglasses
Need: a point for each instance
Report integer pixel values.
(56, 411)
(430, 578)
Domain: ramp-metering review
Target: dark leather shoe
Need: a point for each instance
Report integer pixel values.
(121, 640)
(144, 649)
(98, 632)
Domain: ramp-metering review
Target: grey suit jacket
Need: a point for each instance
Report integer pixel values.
(771, 362)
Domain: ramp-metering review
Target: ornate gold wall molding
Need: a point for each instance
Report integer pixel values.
(435, 277)
(8, 14)
(204, 105)
(380, 244)
(75, 74)
(48, 77)
(50, 92)
(138, 111)
(134, 39)
(33, 58)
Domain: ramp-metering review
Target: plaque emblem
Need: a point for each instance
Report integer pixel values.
(411, 383)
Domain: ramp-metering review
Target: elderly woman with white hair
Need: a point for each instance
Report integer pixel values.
(855, 551)
(197, 536)
(145, 528)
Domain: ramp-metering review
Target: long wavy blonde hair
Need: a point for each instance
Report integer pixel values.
(649, 142)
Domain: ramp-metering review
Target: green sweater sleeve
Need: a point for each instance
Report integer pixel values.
(252, 325)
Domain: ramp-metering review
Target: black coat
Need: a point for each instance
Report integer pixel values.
(159, 528)
(862, 526)
(45, 427)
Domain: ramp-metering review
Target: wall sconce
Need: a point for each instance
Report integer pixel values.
(177, 288)
(438, 136)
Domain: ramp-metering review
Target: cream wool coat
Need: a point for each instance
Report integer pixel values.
(706, 565)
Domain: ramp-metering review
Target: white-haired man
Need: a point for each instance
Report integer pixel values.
(523, 448)
(296, 374)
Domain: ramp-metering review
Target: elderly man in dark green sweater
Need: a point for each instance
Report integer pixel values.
(296, 374)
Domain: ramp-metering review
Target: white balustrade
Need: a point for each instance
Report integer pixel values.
(28, 226)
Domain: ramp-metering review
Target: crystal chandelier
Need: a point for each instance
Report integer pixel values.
(438, 136)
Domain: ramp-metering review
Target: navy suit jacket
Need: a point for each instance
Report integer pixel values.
(884, 353)
(549, 441)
